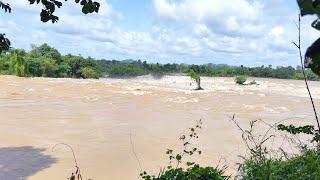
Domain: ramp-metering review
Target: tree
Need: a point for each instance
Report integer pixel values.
(47, 13)
(196, 77)
(88, 72)
(21, 66)
(45, 51)
(240, 80)
(4, 43)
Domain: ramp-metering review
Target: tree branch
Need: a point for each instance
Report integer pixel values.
(304, 73)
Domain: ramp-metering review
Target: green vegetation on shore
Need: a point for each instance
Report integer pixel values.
(46, 61)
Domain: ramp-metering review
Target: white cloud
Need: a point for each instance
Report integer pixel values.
(193, 31)
(201, 30)
(277, 31)
(226, 17)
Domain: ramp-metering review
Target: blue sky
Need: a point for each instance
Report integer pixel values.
(235, 32)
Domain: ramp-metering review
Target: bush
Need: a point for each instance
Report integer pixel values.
(251, 169)
(193, 170)
(89, 73)
(261, 165)
(240, 80)
(305, 166)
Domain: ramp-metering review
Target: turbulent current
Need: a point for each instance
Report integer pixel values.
(117, 126)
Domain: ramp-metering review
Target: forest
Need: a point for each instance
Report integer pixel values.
(46, 61)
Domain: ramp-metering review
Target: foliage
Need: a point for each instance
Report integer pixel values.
(195, 77)
(4, 43)
(305, 166)
(156, 71)
(240, 79)
(312, 56)
(260, 165)
(252, 169)
(19, 64)
(88, 72)
(46, 61)
(127, 70)
(310, 7)
(308, 129)
(262, 71)
(5, 7)
(49, 7)
(47, 13)
(192, 171)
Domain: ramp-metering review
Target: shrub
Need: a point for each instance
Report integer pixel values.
(251, 169)
(261, 165)
(253, 82)
(240, 80)
(193, 170)
(89, 73)
(304, 166)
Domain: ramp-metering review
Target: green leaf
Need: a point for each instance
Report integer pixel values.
(97, 6)
(306, 7)
(83, 2)
(50, 6)
(85, 9)
(315, 3)
(316, 7)
(178, 157)
(54, 18)
(45, 16)
(58, 3)
(32, 1)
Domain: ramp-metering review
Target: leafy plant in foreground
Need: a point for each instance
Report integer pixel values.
(305, 166)
(76, 175)
(261, 165)
(192, 171)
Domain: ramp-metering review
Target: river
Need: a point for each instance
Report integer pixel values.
(116, 126)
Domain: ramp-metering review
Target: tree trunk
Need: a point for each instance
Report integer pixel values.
(199, 86)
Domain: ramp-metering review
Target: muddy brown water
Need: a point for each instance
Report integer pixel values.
(106, 120)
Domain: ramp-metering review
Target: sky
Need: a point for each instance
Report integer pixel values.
(234, 32)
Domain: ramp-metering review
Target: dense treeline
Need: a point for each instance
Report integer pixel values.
(137, 68)
(46, 61)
